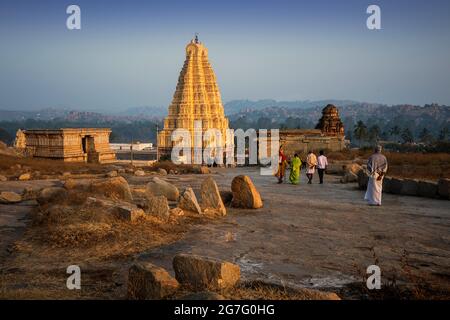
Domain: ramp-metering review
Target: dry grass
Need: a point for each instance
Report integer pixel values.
(69, 231)
(48, 166)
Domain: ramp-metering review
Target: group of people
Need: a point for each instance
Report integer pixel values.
(312, 163)
(376, 169)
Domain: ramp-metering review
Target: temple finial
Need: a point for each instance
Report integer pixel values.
(196, 38)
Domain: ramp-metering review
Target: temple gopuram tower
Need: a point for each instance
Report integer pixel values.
(196, 97)
(330, 124)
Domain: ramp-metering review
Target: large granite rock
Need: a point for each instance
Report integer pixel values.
(410, 187)
(188, 201)
(200, 273)
(349, 177)
(353, 168)
(444, 188)
(149, 282)
(158, 206)
(363, 179)
(211, 201)
(428, 189)
(115, 188)
(7, 197)
(245, 194)
(78, 184)
(3, 178)
(50, 194)
(159, 187)
(25, 176)
(121, 210)
(162, 171)
(139, 173)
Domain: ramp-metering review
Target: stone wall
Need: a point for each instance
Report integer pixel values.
(410, 187)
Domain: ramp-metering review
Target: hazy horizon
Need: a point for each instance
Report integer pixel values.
(129, 54)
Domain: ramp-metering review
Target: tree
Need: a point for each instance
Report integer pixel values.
(425, 136)
(394, 132)
(374, 133)
(407, 136)
(443, 134)
(360, 131)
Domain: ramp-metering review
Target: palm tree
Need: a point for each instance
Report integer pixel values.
(360, 131)
(394, 131)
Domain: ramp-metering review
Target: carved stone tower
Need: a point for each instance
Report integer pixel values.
(196, 97)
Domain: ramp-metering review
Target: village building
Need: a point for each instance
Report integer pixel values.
(68, 144)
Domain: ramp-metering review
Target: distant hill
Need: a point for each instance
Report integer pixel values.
(236, 106)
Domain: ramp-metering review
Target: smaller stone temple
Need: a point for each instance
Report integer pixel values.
(68, 144)
(330, 124)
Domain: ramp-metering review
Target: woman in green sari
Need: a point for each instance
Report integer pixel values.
(296, 163)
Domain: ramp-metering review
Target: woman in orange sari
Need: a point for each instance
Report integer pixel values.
(282, 162)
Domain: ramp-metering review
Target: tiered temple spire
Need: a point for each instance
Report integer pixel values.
(197, 97)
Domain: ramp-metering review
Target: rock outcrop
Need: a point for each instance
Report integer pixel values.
(7, 197)
(149, 282)
(211, 201)
(245, 194)
(188, 201)
(200, 273)
(159, 187)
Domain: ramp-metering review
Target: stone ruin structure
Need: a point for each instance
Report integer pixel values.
(196, 98)
(68, 144)
(328, 135)
(330, 124)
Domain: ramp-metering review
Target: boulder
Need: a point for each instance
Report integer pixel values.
(128, 213)
(124, 211)
(158, 206)
(3, 178)
(7, 197)
(176, 212)
(25, 176)
(200, 273)
(159, 187)
(162, 171)
(363, 179)
(396, 185)
(29, 193)
(139, 173)
(428, 189)
(149, 282)
(112, 174)
(188, 201)
(116, 188)
(410, 187)
(50, 194)
(353, 168)
(204, 170)
(202, 295)
(349, 177)
(245, 194)
(226, 196)
(211, 199)
(444, 188)
(78, 184)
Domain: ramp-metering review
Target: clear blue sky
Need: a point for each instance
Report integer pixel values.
(129, 53)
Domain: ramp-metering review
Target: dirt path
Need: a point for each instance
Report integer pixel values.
(319, 235)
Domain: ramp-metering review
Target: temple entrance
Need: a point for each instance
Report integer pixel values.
(87, 143)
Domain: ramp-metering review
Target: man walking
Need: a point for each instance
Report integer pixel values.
(322, 163)
(311, 163)
(377, 167)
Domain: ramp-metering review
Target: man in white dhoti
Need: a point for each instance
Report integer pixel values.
(377, 168)
(311, 163)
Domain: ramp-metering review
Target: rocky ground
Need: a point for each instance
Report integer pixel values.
(305, 236)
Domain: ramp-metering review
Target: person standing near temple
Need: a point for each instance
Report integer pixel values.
(296, 164)
(282, 162)
(377, 167)
(322, 163)
(311, 163)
